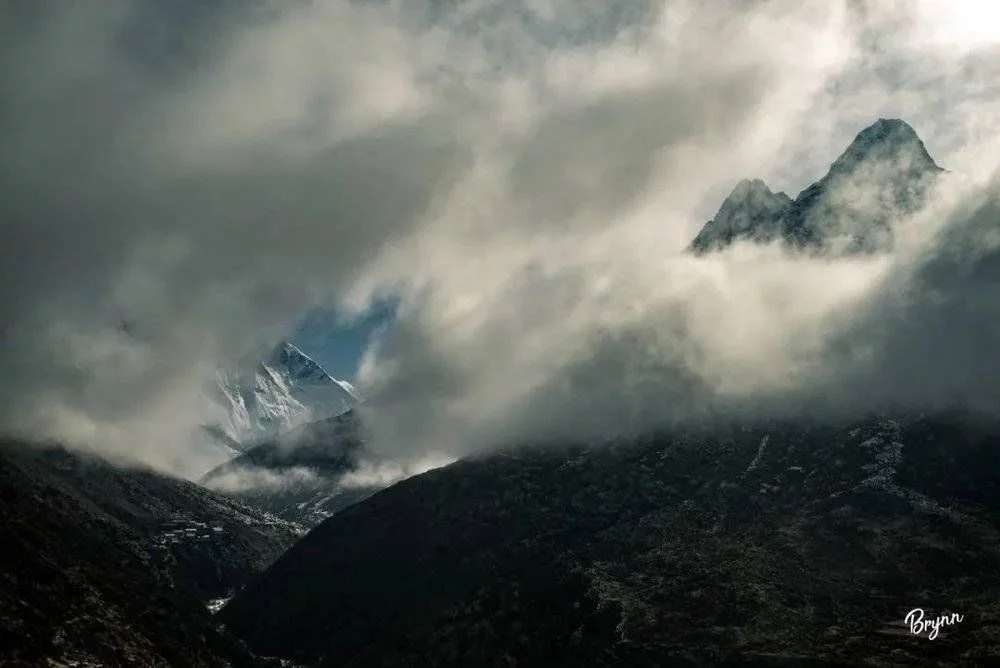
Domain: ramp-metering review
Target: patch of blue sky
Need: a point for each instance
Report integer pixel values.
(337, 341)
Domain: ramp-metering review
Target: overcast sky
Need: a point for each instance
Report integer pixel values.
(181, 182)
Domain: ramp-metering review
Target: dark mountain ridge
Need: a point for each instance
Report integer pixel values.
(751, 212)
(297, 476)
(744, 543)
(211, 545)
(82, 585)
(883, 177)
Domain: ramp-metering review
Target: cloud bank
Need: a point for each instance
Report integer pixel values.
(179, 186)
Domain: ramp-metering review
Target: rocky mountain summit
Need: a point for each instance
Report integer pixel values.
(751, 212)
(884, 176)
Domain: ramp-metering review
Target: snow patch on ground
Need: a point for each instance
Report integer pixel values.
(760, 451)
(217, 604)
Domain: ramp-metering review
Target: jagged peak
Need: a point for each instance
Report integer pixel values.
(888, 155)
(287, 351)
(752, 194)
(750, 209)
(891, 138)
(288, 348)
(883, 127)
(749, 187)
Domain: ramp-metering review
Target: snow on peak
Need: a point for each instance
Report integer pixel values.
(296, 364)
(349, 388)
(285, 390)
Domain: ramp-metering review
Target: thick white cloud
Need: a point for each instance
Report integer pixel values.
(524, 175)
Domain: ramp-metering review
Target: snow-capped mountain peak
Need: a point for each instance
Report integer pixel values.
(296, 364)
(285, 390)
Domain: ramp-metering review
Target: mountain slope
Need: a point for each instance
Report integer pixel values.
(298, 476)
(78, 587)
(883, 177)
(210, 545)
(749, 544)
(285, 390)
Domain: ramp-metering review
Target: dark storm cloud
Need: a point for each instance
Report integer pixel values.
(177, 187)
(930, 337)
(137, 258)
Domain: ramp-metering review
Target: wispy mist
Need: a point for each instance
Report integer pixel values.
(523, 176)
